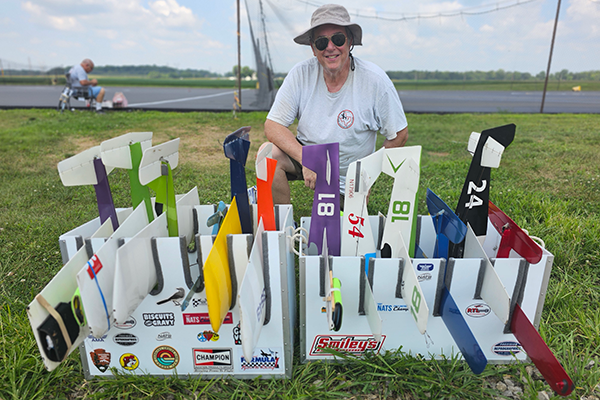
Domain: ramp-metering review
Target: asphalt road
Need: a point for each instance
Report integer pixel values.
(419, 101)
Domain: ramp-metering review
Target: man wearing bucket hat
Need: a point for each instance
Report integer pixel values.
(336, 98)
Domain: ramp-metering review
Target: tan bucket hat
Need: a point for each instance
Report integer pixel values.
(330, 14)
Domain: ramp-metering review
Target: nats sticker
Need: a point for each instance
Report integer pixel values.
(129, 361)
(213, 360)
(262, 359)
(355, 344)
(203, 319)
(507, 348)
(101, 359)
(165, 357)
(345, 119)
(478, 310)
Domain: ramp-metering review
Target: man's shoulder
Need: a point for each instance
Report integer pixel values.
(306, 67)
(371, 71)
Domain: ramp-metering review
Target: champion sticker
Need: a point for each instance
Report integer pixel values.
(129, 361)
(165, 357)
(507, 348)
(213, 360)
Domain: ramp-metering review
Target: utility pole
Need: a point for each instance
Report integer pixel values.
(239, 47)
(550, 58)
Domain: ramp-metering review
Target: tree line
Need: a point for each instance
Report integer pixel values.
(498, 75)
(155, 71)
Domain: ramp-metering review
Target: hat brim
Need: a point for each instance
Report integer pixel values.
(304, 37)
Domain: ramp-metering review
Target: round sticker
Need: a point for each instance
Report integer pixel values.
(165, 357)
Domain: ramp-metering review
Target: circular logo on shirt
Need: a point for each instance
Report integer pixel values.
(345, 119)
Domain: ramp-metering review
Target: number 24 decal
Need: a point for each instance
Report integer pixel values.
(475, 201)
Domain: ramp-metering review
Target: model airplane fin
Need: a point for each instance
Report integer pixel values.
(447, 225)
(126, 152)
(236, 147)
(252, 297)
(401, 217)
(513, 237)
(156, 171)
(356, 235)
(217, 276)
(86, 168)
(325, 216)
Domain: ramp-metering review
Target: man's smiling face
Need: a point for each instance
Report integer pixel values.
(333, 59)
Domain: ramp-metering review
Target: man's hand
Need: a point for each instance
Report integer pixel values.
(310, 178)
(94, 82)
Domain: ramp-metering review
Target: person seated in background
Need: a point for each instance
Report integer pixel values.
(79, 80)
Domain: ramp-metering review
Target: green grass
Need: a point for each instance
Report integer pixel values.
(548, 182)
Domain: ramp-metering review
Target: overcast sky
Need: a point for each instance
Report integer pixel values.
(201, 34)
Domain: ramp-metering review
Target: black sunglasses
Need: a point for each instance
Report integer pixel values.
(337, 39)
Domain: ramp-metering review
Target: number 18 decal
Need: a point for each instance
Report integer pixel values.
(323, 159)
(401, 211)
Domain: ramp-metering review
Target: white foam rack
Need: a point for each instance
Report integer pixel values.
(161, 340)
(398, 327)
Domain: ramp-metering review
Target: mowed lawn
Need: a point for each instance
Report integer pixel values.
(548, 182)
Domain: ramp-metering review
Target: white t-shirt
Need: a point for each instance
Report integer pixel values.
(77, 74)
(367, 103)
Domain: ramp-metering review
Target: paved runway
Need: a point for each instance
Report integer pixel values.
(418, 101)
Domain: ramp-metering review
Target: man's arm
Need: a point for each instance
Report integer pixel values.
(285, 141)
(86, 82)
(398, 141)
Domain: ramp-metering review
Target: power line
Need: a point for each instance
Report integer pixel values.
(467, 11)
